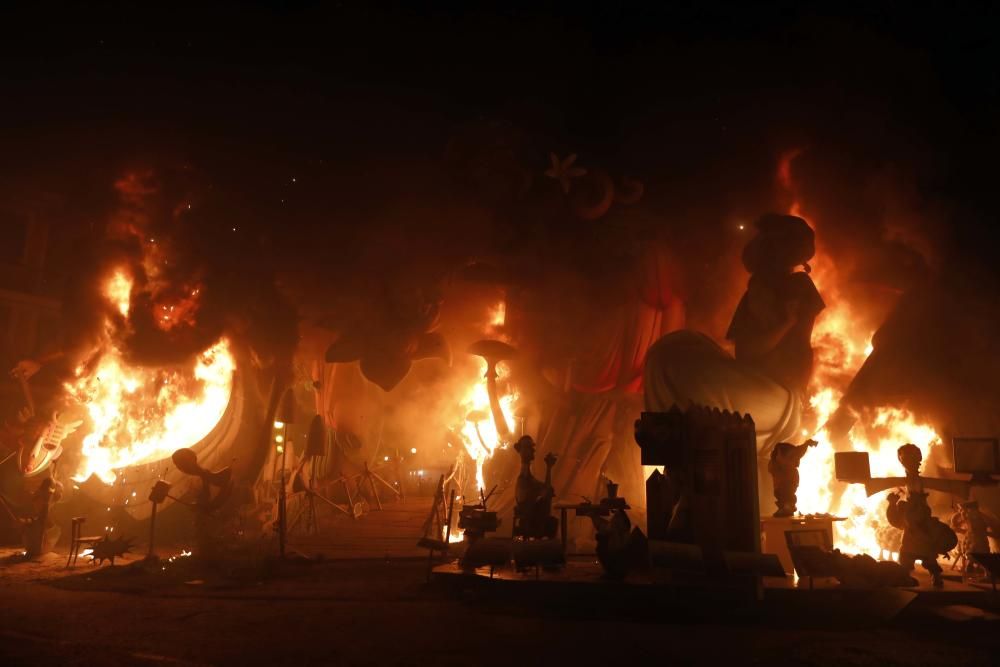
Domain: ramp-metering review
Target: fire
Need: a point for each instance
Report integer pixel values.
(119, 291)
(480, 437)
(865, 526)
(498, 314)
(139, 414)
(174, 310)
(841, 347)
(478, 429)
(455, 535)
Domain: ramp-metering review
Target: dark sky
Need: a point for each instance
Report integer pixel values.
(287, 75)
(695, 97)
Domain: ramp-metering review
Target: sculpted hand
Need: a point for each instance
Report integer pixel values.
(25, 369)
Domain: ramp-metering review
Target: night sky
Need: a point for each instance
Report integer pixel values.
(278, 105)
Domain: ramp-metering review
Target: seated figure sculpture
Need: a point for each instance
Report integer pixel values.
(771, 331)
(533, 498)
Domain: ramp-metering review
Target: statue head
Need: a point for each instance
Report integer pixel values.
(782, 243)
(526, 448)
(909, 455)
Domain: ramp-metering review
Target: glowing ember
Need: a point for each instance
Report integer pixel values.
(173, 310)
(139, 414)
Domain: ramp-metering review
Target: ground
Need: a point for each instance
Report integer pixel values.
(381, 611)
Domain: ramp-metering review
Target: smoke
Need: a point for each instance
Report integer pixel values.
(192, 281)
(895, 253)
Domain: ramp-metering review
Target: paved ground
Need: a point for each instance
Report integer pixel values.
(379, 611)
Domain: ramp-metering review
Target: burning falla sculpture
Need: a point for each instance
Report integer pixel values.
(533, 510)
(395, 330)
(493, 352)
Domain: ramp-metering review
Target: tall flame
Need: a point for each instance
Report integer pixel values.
(118, 291)
(139, 414)
(841, 347)
(481, 438)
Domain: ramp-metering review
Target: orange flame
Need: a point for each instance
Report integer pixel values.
(841, 347)
(498, 314)
(139, 414)
(118, 291)
(174, 310)
(481, 438)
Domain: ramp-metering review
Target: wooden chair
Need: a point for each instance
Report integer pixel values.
(77, 540)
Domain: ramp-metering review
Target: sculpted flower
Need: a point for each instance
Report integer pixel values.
(563, 170)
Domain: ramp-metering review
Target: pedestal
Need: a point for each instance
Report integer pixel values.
(773, 531)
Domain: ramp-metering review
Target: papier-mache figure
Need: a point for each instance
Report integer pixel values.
(38, 454)
(784, 470)
(771, 332)
(974, 528)
(924, 536)
(533, 497)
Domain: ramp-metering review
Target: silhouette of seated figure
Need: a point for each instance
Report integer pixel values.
(533, 498)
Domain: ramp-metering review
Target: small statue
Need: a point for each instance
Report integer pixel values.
(533, 498)
(620, 547)
(784, 469)
(975, 529)
(613, 537)
(924, 536)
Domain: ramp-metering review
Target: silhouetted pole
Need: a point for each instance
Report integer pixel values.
(286, 417)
